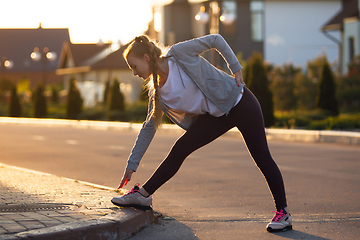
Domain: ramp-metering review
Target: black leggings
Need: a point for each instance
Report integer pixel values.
(247, 117)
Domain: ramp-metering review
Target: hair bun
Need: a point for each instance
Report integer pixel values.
(141, 39)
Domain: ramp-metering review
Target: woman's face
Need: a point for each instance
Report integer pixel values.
(139, 65)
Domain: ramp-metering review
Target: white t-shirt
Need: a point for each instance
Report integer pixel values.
(181, 93)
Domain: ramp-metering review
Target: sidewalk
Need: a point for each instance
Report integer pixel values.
(36, 205)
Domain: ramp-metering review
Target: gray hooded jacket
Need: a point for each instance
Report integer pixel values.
(219, 87)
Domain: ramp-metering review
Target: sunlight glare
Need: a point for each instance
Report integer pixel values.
(88, 21)
(157, 21)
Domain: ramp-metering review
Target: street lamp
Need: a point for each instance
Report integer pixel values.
(214, 17)
(44, 57)
(6, 64)
(202, 16)
(227, 18)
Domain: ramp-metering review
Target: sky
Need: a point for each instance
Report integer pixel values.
(87, 20)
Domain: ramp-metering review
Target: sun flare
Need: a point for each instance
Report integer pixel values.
(88, 21)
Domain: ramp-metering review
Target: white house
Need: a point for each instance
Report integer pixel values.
(92, 65)
(284, 31)
(292, 31)
(347, 23)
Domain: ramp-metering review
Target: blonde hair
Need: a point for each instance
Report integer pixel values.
(140, 46)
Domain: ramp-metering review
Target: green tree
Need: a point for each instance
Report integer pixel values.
(314, 68)
(325, 97)
(257, 81)
(348, 90)
(14, 109)
(116, 97)
(74, 101)
(106, 91)
(40, 104)
(304, 91)
(116, 104)
(54, 95)
(282, 86)
(5, 85)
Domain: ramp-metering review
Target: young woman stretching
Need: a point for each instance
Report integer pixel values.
(204, 101)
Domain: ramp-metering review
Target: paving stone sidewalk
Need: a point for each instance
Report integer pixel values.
(37, 205)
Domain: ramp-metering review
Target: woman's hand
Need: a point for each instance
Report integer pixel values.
(126, 178)
(239, 78)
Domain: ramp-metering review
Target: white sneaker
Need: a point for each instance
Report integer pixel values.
(281, 222)
(133, 199)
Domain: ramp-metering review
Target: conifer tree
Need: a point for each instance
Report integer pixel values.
(106, 91)
(256, 80)
(116, 97)
(282, 86)
(116, 105)
(54, 95)
(74, 101)
(326, 99)
(40, 104)
(14, 106)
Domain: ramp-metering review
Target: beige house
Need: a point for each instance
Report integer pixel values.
(91, 65)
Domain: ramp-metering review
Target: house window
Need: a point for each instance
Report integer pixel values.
(257, 20)
(351, 48)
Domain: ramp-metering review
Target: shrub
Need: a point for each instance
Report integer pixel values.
(106, 91)
(348, 91)
(116, 105)
(40, 104)
(282, 86)
(343, 122)
(54, 95)
(5, 85)
(95, 113)
(326, 99)
(347, 122)
(14, 105)
(257, 81)
(137, 112)
(304, 91)
(74, 101)
(291, 120)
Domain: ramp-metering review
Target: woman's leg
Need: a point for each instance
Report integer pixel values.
(248, 118)
(204, 130)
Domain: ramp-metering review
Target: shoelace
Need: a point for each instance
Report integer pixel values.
(278, 215)
(133, 190)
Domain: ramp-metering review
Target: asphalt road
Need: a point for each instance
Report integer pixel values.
(218, 193)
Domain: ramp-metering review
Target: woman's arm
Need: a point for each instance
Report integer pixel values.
(197, 46)
(142, 143)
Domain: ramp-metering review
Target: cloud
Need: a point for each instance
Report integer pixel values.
(275, 40)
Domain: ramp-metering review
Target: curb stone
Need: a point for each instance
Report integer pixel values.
(295, 135)
(115, 226)
(99, 221)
